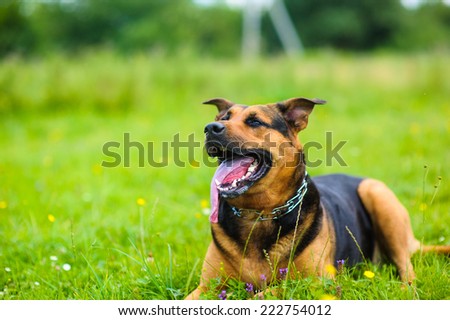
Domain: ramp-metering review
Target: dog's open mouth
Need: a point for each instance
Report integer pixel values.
(239, 170)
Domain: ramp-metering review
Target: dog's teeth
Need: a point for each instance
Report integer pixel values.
(217, 182)
(251, 169)
(234, 184)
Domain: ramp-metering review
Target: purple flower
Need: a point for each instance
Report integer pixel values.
(223, 295)
(283, 271)
(263, 277)
(340, 262)
(340, 265)
(249, 287)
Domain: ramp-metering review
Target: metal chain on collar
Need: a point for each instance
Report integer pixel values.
(277, 212)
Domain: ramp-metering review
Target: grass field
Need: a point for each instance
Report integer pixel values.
(71, 228)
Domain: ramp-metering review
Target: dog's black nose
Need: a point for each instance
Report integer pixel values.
(215, 128)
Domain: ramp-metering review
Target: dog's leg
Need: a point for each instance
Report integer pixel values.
(392, 226)
(214, 266)
(319, 254)
(195, 295)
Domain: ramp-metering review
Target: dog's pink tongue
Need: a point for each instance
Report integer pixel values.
(228, 171)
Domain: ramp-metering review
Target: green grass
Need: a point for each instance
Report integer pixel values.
(57, 113)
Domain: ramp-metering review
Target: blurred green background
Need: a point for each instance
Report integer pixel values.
(212, 28)
(76, 74)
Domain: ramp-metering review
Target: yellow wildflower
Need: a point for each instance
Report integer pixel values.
(194, 163)
(204, 204)
(51, 218)
(141, 202)
(369, 274)
(330, 269)
(328, 297)
(97, 169)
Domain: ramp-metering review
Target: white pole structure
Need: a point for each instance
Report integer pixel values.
(285, 29)
(251, 31)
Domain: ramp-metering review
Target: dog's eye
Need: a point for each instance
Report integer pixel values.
(226, 117)
(254, 122)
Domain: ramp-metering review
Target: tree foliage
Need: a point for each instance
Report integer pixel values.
(29, 27)
(347, 24)
(15, 31)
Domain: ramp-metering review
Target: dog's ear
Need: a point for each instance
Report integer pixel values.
(296, 111)
(222, 106)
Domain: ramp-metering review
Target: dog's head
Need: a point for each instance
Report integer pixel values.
(257, 146)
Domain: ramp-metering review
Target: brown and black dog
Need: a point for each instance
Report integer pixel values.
(269, 214)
